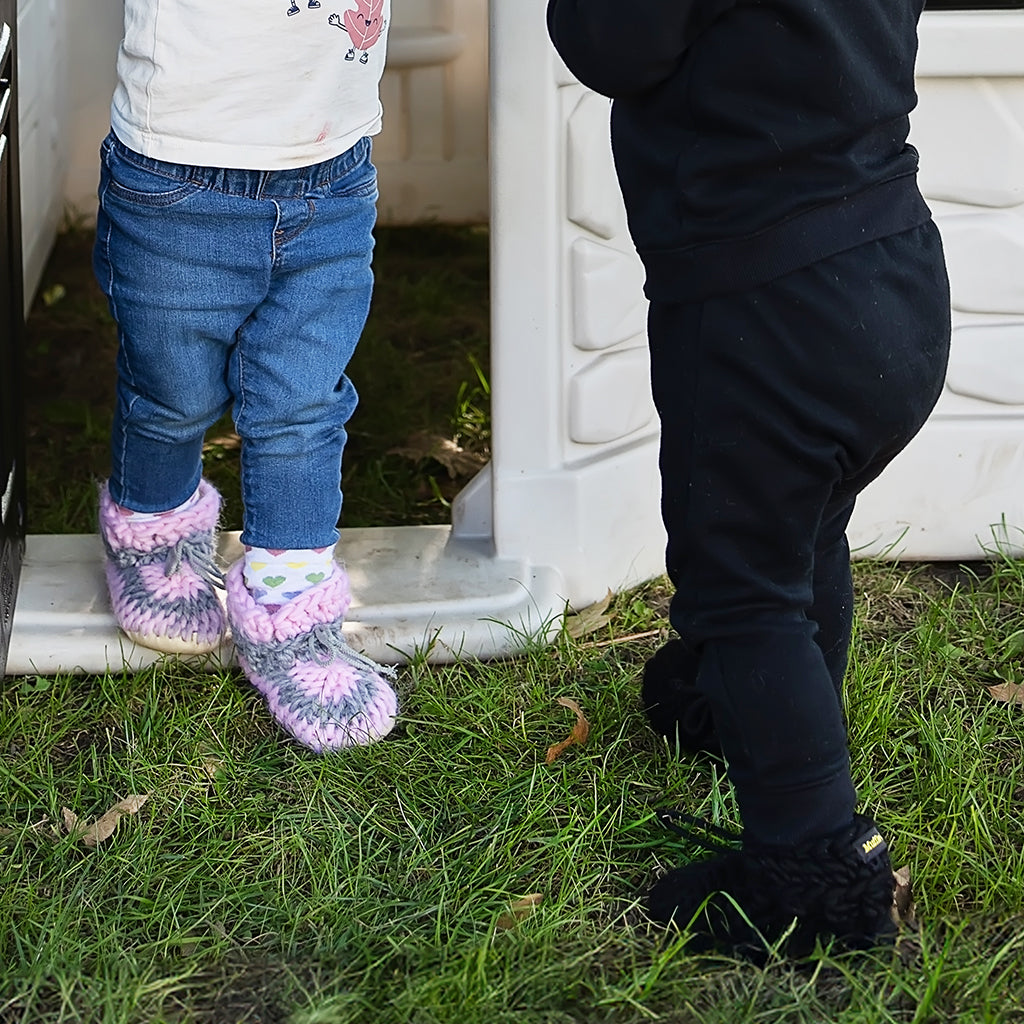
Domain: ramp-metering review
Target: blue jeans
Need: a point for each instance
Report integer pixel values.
(236, 289)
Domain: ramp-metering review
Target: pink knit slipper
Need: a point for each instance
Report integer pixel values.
(323, 693)
(161, 574)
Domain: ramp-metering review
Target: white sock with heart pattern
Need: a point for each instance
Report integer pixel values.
(275, 576)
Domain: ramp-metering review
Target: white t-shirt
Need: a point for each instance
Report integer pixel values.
(255, 84)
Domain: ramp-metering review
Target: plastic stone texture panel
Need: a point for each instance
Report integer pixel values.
(609, 393)
(985, 259)
(607, 296)
(987, 365)
(980, 165)
(958, 489)
(610, 398)
(592, 198)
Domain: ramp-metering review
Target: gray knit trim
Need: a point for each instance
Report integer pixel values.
(202, 611)
(323, 644)
(196, 551)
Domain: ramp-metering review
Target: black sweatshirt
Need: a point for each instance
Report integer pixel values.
(751, 137)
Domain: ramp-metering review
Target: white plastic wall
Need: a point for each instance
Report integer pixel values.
(574, 475)
(432, 155)
(95, 31)
(958, 490)
(43, 35)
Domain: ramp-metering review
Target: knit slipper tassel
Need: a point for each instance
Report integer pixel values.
(162, 574)
(322, 692)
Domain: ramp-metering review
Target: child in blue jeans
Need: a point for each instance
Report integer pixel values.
(799, 332)
(237, 201)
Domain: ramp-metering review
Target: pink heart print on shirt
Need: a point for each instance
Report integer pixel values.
(365, 23)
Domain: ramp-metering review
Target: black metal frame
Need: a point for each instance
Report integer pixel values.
(12, 420)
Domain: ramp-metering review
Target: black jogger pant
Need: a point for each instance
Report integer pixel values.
(778, 406)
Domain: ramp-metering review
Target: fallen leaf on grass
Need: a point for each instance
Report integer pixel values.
(456, 459)
(212, 767)
(102, 828)
(578, 736)
(519, 910)
(628, 638)
(1011, 693)
(227, 443)
(590, 619)
(903, 909)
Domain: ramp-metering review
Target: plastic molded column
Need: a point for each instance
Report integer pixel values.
(573, 479)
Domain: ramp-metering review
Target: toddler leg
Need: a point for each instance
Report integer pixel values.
(274, 577)
(679, 711)
(287, 600)
(778, 406)
(182, 266)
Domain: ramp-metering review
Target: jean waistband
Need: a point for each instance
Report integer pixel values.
(291, 183)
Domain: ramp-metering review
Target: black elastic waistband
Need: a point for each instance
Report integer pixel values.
(738, 264)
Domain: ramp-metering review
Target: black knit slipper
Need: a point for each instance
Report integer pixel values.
(674, 706)
(749, 901)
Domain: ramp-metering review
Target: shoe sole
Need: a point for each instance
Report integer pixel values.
(174, 644)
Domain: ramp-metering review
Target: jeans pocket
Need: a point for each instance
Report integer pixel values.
(139, 185)
(358, 181)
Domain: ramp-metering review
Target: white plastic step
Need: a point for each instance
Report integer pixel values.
(415, 589)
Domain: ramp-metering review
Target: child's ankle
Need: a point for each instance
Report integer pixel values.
(275, 576)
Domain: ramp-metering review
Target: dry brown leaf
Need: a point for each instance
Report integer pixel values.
(519, 910)
(103, 827)
(456, 459)
(590, 619)
(228, 443)
(616, 640)
(903, 909)
(578, 736)
(1011, 693)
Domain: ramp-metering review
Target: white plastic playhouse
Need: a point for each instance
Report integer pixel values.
(568, 507)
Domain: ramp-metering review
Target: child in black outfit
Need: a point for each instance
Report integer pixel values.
(799, 332)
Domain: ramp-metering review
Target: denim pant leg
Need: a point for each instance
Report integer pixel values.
(237, 288)
(287, 370)
(777, 407)
(182, 268)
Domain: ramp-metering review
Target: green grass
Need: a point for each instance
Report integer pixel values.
(259, 884)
